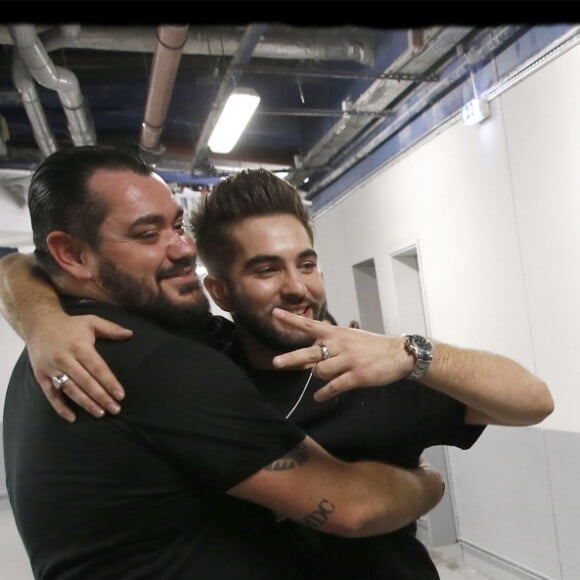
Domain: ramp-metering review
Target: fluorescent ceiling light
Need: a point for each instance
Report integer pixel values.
(236, 114)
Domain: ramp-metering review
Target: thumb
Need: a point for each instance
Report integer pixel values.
(107, 329)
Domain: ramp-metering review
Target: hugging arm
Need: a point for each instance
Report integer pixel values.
(350, 499)
(58, 343)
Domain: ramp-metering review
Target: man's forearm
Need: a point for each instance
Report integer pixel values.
(494, 388)
(350, 499)
(384, 498)
(25, 292)
(410, 494)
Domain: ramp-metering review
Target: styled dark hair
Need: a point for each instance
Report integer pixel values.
(58, 198)
(249, 193)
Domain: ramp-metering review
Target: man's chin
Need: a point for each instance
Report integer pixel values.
(295, 341)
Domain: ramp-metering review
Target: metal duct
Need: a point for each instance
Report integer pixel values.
(349, 44)
(26, 86)
(168, 51)
(61, 80)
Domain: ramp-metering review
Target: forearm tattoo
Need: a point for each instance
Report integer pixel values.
(295, 458)
(319, 516)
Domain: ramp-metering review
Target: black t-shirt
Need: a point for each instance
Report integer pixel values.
(394, 423)
(141, 494)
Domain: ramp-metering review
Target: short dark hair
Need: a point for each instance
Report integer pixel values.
(58, 198)
(249, 193)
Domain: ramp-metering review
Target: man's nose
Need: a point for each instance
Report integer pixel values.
(294, 283)
(180, 246)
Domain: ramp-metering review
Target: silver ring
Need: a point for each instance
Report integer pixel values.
(59, 380)
(323, 350)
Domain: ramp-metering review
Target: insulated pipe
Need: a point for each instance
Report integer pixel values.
(26, 86)
(168, 50)
(349, 44)
(36, 58)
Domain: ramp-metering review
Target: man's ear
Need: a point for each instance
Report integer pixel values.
(67, 251)
(219, 292)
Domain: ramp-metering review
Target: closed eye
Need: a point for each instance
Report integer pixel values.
(148, 236)
(266, 271)
(308, 266)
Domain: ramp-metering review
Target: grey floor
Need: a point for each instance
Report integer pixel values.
(14, 563)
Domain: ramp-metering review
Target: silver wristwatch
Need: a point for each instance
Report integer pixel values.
(422, 351)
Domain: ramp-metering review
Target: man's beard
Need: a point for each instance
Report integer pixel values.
(136, 296)
(264, 331)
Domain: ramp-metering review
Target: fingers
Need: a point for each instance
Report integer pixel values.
(56, 400)
(314, 328)
(303, 358)
(76, 394)
(343, 382)
(91, 385)
(94, 376)
(89, 391)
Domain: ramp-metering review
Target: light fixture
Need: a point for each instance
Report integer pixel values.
(237, 112)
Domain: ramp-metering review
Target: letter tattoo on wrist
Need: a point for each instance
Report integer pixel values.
(320, 516)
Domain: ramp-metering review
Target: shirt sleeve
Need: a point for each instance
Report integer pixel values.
(442, 418)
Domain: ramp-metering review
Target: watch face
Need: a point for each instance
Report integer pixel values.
(420, 345)
(422, 350)
(420, 341)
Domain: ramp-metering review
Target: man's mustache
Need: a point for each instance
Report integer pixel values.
(177, 268)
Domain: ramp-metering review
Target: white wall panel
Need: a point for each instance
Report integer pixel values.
(542, 125)
(502, 495)
(332, 239)
(495, 213)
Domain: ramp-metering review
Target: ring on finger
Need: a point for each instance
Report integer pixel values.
(323, 351)
(59, 380)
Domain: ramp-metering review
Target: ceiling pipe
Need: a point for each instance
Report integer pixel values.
(350, 44)
(63, 81)
(26, 86)
(168, 51)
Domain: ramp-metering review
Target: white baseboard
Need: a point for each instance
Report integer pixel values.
(495, 566)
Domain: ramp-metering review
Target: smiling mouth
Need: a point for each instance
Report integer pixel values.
(187, 272)
(306, 311)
